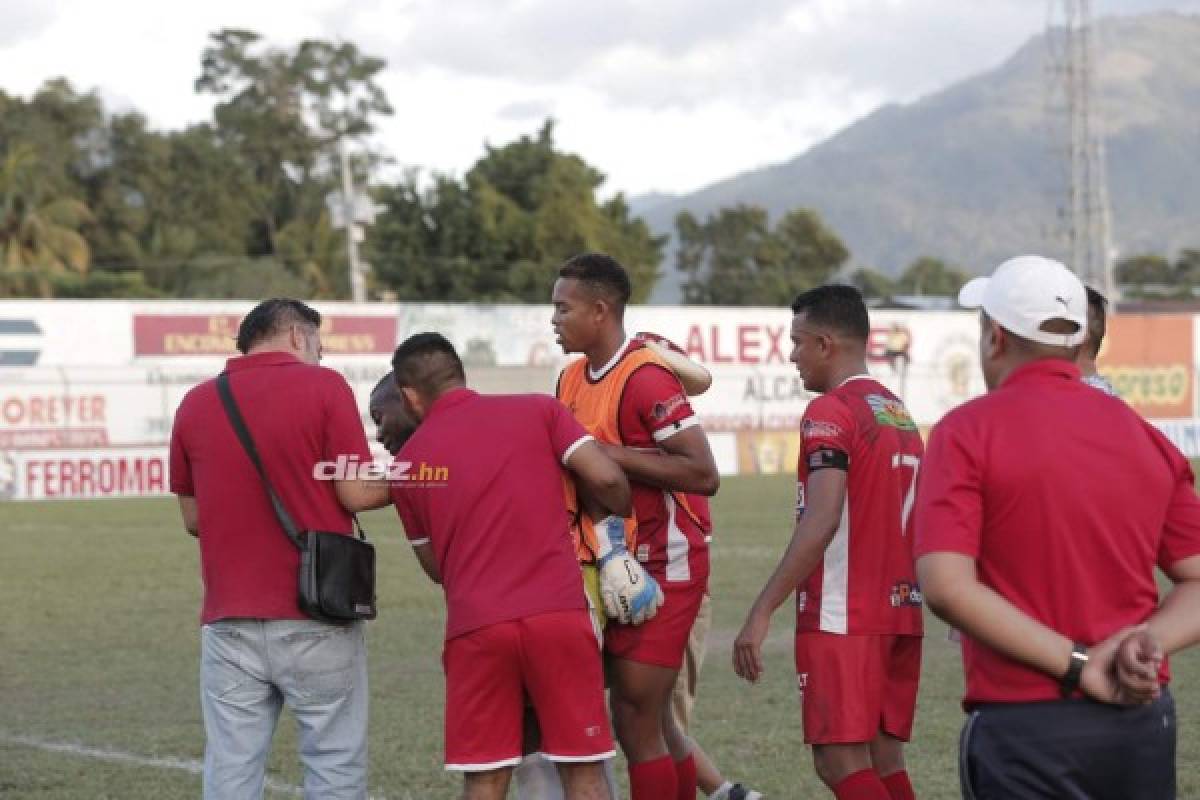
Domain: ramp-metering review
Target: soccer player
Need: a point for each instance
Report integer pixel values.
(858, 623)
(639, 411)
(1044, 509)
(482, 505)
(393, 425)
(1096, 328)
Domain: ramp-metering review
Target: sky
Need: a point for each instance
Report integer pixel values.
(659, 95)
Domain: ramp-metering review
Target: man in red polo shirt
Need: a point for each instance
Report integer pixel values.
(858, 621)
(258, 650)
(1043, 509)
(478, 487)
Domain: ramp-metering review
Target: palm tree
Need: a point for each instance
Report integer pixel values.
(39, 237)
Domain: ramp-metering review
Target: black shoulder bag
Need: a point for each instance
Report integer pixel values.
(337, 572)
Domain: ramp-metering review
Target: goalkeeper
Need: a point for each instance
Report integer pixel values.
(639, 411)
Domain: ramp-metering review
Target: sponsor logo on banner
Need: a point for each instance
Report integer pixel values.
(104, 472)
(177, 335)
(1150, 362)
(760, 344)
(19, 345)
(50, 420)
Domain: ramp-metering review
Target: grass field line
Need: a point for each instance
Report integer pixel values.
(192, 765)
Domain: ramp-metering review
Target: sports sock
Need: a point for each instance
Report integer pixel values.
(685, 777)
(862, 785)
(898, 786)
(654, 780)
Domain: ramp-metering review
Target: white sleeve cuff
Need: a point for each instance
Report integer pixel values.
(666, 433)
(580, 442)
(418, 542)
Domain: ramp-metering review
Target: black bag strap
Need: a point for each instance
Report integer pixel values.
(243, 434)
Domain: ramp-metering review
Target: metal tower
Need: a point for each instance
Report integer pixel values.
(1085, 217)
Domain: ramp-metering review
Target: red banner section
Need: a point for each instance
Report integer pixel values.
(181, 335)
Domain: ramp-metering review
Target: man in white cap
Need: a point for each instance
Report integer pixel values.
(1042, 511)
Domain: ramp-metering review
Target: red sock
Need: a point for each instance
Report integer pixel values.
(862, 785)
(653, 780)
(685, 774)
(898, 786)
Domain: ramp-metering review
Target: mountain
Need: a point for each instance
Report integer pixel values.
(642, 204)
(976, 172)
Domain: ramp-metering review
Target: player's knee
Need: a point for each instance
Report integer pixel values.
(834, 763)
(887, 754)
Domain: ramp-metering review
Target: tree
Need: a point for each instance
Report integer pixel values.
(501, 233)
(1143, 269)
(734, 257)
(1187, 269)
(931, 276)
(872, 283)
(280, 115)
(39, 235)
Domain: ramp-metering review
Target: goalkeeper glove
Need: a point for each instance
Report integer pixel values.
(631, 596)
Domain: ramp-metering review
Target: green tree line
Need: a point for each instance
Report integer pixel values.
(96, 204)
(100, 204)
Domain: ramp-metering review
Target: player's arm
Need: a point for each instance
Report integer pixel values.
(1176, 624)
(683, 463)
(425, 557)
(603, 486)
(826, 496)
(362, 495)
(953, 591)
(191, 514)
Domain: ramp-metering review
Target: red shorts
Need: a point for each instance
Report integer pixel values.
(552, 661)
(661, 641)
(853, 687)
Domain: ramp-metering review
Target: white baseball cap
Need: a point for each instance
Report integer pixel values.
(1025, 292)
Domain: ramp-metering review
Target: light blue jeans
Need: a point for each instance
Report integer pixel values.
(251, 668)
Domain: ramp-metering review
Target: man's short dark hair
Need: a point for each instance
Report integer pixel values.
(428, 363)
(602, 275)
(837, 307)
(1097, 321)
(386, 385)
(271, 317)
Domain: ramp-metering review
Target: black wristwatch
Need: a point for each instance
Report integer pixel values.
(1070, 680)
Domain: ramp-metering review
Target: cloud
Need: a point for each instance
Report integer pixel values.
(669, 94)
(24, 20)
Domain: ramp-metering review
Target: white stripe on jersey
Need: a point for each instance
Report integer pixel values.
(835, 577)
(678, 568)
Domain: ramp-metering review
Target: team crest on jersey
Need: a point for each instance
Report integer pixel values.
(906, 593)
(891, 412)
(819, 429)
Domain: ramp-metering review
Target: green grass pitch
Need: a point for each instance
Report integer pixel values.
(99, 649)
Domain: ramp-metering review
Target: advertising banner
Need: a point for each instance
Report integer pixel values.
(1150, 359)
(92, 472)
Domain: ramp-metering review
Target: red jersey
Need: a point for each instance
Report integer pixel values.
(482, 483)
(866, 582)
(1067, 499)
(670, 542)
(298, 415)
